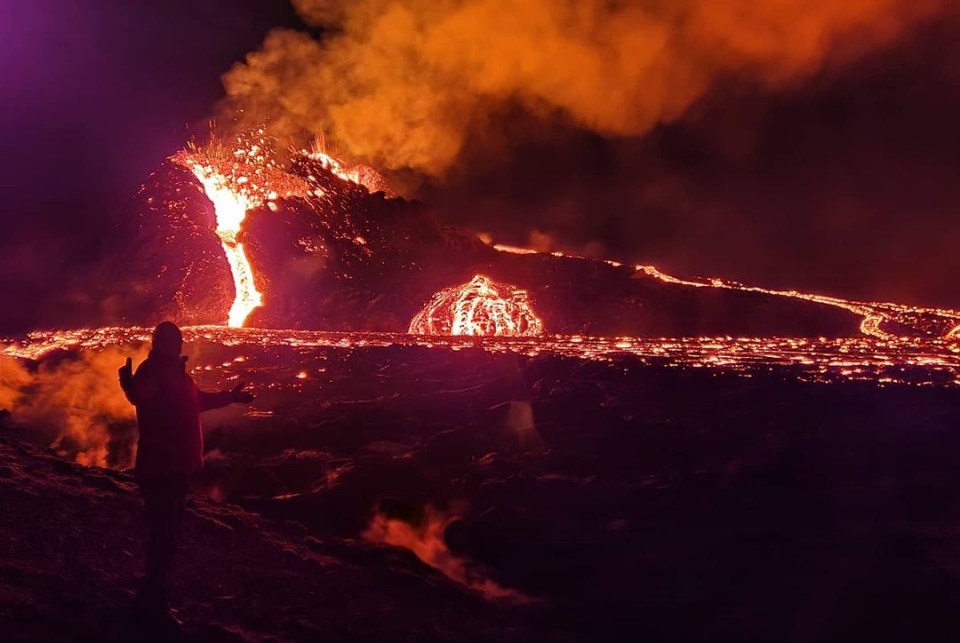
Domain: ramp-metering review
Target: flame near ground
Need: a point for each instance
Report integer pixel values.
(427, 542)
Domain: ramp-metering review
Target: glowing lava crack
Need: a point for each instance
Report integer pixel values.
(480, 307)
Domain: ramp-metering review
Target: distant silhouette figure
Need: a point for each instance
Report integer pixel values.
(169, 451)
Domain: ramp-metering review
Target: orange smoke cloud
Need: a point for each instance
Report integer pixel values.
(399, 84)
(79, 401)
(426, 541)
(14, 378)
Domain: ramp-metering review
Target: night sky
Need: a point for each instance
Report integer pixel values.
(846, 183)
(96, 95)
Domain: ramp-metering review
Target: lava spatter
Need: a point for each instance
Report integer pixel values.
(479, 307)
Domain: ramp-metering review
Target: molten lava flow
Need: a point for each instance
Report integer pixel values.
(359, 174)
(231, 208)
(480, 307)
(243, 175)
(237, 178)
(883, 320)
(919, 361)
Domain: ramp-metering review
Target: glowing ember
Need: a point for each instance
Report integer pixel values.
(480, 307)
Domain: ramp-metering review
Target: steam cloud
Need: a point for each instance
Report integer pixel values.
(401, 84)
(78, 401)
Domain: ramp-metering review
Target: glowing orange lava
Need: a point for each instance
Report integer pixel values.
(359, 174)
(245, 175)
(917, 361)
(480, 307)
(231, 208)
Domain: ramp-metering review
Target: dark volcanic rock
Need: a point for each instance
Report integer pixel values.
(175, 267)
(346, 259)
(684, 505)
(594, 298)
(70, 556)
(342, 258)
(350, 260)
(681, 502)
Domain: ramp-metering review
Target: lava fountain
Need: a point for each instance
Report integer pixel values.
(479, 307)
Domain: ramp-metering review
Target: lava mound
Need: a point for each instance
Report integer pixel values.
(331, 254)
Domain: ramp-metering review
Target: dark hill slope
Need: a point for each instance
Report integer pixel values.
(70, 555)
(343, 258)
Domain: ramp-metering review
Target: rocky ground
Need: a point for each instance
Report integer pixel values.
(70, 552)
(553, 498)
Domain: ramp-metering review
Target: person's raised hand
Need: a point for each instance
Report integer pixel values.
(241, 395)
(125, 372)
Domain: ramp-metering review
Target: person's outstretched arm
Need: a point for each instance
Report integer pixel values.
(210, 400)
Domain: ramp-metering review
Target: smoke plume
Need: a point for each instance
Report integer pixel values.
(401, 84)
(77, 399)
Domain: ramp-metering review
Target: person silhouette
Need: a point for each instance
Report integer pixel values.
(169, 452)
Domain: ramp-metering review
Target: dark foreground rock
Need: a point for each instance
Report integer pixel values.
(640, 503)
(70, 555)
(613, 501)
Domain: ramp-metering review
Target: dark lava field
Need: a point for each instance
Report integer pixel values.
(607, 501)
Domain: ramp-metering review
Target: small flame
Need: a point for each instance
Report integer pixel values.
(427, 542)
(478, 308)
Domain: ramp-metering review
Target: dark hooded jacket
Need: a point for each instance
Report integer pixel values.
(168, 416)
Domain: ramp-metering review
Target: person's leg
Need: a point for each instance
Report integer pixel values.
(163, 503)
(177, 495)
(150, 596)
